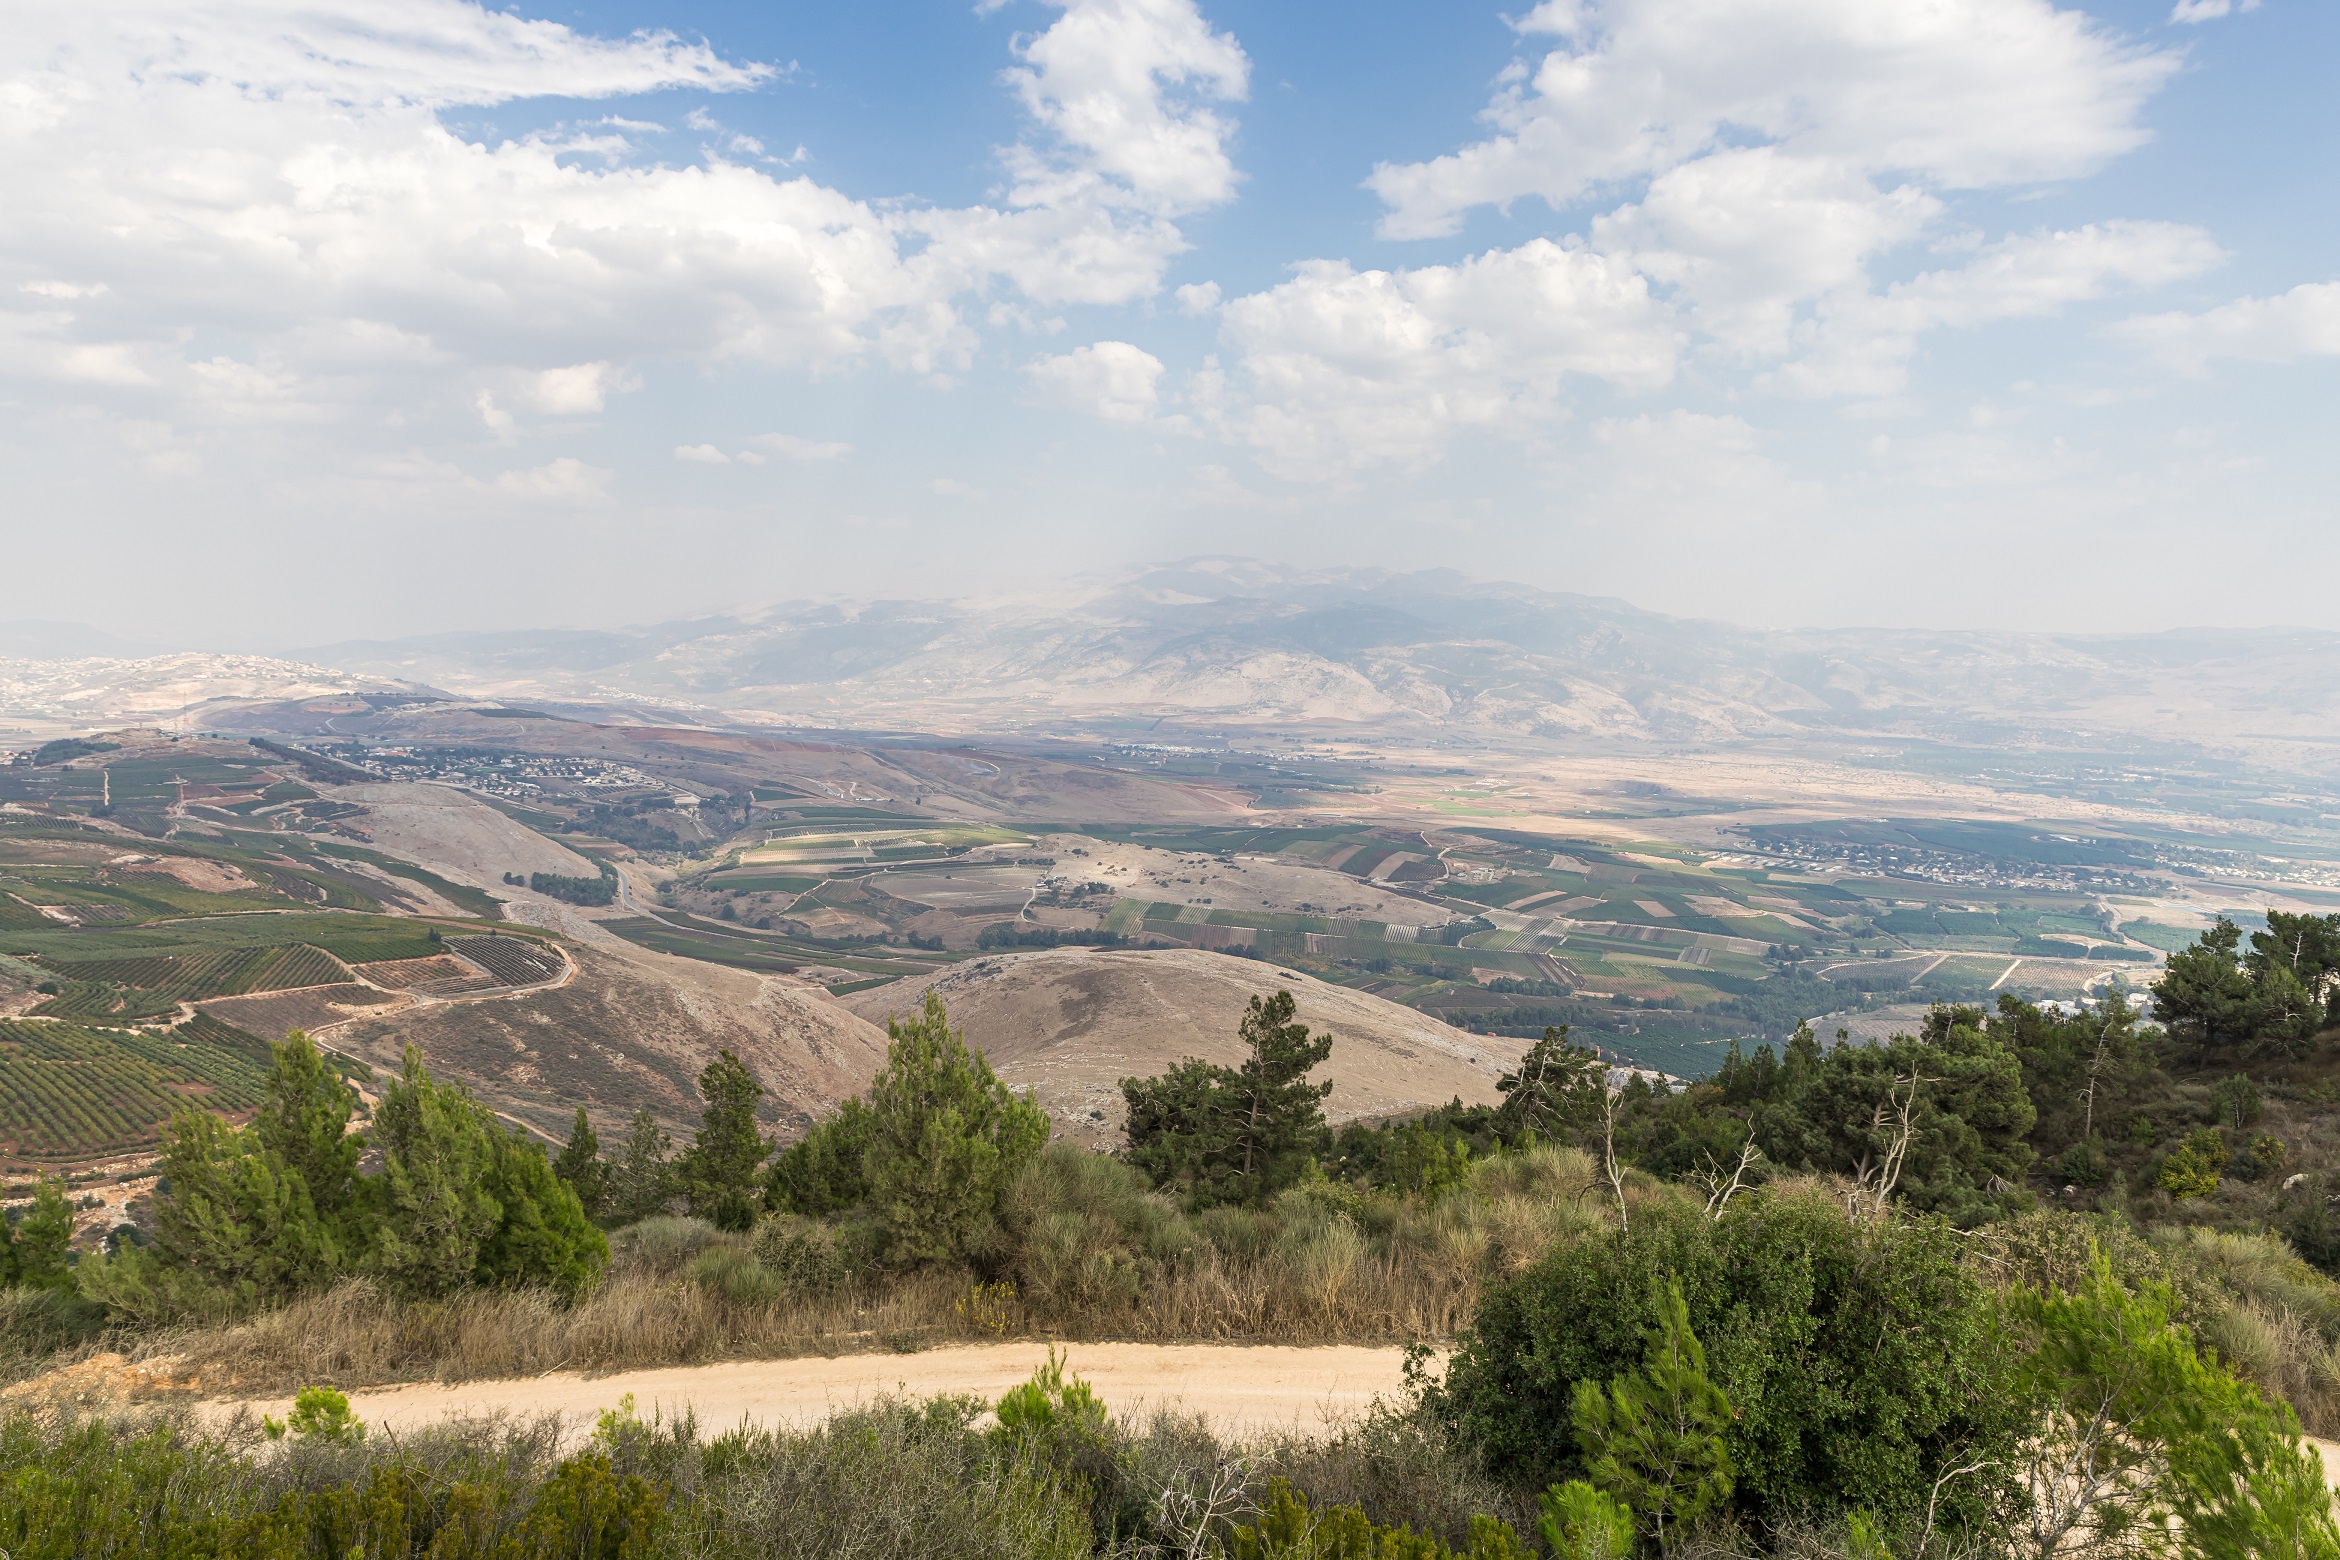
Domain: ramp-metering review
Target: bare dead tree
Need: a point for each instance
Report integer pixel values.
(1874, 1180)
(1611, 1170)
(1721, 1189)
(1196, 1503)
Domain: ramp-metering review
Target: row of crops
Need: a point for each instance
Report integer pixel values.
(144, 987)
(205, 972)
(512, 960)
(70, 1092)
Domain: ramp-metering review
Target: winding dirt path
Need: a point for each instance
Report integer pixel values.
(1240, 1388)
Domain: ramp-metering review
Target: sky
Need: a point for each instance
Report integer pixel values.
(364, 318)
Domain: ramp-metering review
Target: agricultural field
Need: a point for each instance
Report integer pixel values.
(827, 845)
(73, 1092)
(1660, 912)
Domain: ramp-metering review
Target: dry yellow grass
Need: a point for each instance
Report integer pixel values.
(1310, 1273)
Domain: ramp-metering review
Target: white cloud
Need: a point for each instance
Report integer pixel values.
(2304, 322)
(283, 175)
(701, 454)
(1198, 298)
(580, 388)
(499, 422)
(1113, 379)
(1967, 93)
(1863, 341)
(789, 447)
(1128, 85)
(1341, 370)
(1760, 159)
(2209, 10)
(1747, 236)
(566, 479)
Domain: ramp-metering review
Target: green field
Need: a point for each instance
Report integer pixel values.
(2153, 934)
(70, 1092)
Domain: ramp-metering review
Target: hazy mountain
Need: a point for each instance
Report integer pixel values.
(38, 639)
(1234, 643)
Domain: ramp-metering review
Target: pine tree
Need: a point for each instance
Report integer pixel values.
(1234, 1134)
(304, 1121)
(824, 1172)
(641, 1182)
(947, 1137)
(1276, 1115)
(1176, 1125)
(720, 1169)
(2205, 997)
(433, 1202)
(235, 1222)
(1557, 1090)
(1654, 1439)
(42, 1243)
(580, 1166)
(542, 1235)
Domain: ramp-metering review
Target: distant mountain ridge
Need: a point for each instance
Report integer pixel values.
(1235, 643)
(1232, 645)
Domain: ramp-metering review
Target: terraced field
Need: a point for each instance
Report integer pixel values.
(514, 961)
(71, 1092)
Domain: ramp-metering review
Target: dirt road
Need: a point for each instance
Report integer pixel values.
(1240, 1388)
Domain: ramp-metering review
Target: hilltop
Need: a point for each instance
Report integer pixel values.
(1070, 1023)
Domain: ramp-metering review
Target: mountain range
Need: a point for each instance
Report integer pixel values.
(1232, 644)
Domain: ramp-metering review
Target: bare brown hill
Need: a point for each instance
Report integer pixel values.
(1071, 1023)
(632, 1031)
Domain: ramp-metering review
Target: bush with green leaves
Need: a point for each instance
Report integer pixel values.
(1287, 1528)
(1654, 1437)
(458, 1201)
(1217, 1134)
(923, 1165)
(2135, 1434)
(802, 1255)
(36, 1247)
(1863, 1360)
(319, 1414)
(1579, 1522)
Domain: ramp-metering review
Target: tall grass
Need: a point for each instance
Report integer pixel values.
(2268, 1315)
(1090, 1252)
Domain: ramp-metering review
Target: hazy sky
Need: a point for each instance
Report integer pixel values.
(385, 316)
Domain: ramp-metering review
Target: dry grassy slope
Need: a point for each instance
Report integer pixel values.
(632, 1031)
(456, 835)
(1071, 1023)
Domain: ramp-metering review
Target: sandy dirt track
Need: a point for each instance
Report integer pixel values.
(1256, 1388)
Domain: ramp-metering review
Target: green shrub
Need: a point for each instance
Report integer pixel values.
(2193, 1167)
(1861, 1359)
(736, 1275)
(1050, 1408)
(1579, 1522)
(319, 1414)
(1287, 1529)
(1654, 1436)
(802, 1255)
(1088, 1231)
(664, 1243)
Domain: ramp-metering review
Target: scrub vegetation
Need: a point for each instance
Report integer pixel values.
(1813, 1306)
